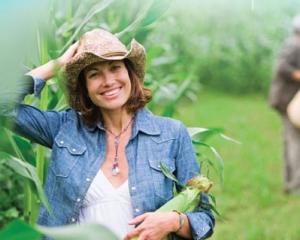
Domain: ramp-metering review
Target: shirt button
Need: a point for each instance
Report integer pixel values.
(73, 219)
(137, 210)
(73, 149)
(158, 166)
(88, 179)
(78, 199)
(61, 142)
(133, 188)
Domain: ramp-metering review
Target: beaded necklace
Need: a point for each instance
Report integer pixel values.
(115, 167)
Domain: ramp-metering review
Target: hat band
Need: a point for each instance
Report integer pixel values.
(114, 54)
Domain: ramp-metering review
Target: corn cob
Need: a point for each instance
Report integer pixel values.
(188, 199)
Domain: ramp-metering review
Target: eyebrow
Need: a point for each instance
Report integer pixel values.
(91, 69)
(96, 69)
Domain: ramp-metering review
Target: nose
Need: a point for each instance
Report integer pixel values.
(108, 78)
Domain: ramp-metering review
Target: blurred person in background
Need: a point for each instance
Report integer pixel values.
(285, 85)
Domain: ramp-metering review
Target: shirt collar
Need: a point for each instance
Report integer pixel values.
(144, 122)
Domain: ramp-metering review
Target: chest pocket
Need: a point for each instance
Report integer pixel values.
(162, 152)
(66, 154)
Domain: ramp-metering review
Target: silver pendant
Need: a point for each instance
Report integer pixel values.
(115, 170)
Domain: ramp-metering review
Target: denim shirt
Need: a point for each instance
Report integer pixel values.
(78, 152)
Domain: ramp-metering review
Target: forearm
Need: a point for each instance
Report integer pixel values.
(32, 82)
(185, 230)
(45, 71)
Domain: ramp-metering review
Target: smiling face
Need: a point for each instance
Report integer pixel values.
(108, 84)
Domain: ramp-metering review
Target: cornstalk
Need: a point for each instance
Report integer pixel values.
(69, 11)
(28, 193)
(27, 199)
(40, 151)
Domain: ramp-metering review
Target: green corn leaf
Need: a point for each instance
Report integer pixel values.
(210, 206)
(95, 10)
(78, 232)
(18, 166)
(157, 9)
(19, 230)
(170, 108)
(205, 133)
(15, 147)
(220, 160)
(22, 147)
(11, 213)
(136, 23)
(168, 173)
(210, 164)
(213, 199)
(61, 105)
(28, 171)
(229, 139)
(220, 163)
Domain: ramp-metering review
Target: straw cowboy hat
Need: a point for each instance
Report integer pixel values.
(99, 45)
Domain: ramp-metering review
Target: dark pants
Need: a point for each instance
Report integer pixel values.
(291, 137)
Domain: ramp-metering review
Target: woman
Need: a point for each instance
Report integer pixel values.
(106, 148)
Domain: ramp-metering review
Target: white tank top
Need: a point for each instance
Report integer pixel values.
(108, 205)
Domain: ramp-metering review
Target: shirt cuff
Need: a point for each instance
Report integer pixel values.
(201, 225)
(38, 86)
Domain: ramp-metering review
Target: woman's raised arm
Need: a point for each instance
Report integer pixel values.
(28, 121)
(46, 71)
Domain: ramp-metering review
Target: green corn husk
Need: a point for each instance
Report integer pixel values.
(188, 199)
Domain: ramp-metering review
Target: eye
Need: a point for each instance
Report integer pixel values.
(115, 67)
(92, 75)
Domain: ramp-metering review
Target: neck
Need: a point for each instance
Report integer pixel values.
(116, 120)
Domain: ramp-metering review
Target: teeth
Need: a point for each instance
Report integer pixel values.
(112, 92)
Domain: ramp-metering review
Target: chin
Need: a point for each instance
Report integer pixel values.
(113, 107)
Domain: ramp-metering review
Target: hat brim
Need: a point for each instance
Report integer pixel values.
(136, 55)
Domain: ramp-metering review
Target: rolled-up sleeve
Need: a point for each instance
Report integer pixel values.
(38, 85)
(201, 220)
(37, 125)
(10, 99)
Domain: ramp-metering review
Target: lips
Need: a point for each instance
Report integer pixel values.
(111, 92)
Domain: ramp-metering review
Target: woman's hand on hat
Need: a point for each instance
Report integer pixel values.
(47, 70)
(68, 54)
(153, 225)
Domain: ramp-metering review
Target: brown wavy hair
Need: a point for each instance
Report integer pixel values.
(79, 99)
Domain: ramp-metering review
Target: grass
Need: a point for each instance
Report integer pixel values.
(251, 201)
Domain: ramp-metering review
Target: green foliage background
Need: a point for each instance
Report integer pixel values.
(227, 46)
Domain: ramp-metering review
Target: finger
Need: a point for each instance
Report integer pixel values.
(138, 219)
(75, 44)
(73, 47)
(143, 236)
(126, 237)
(133, 233)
